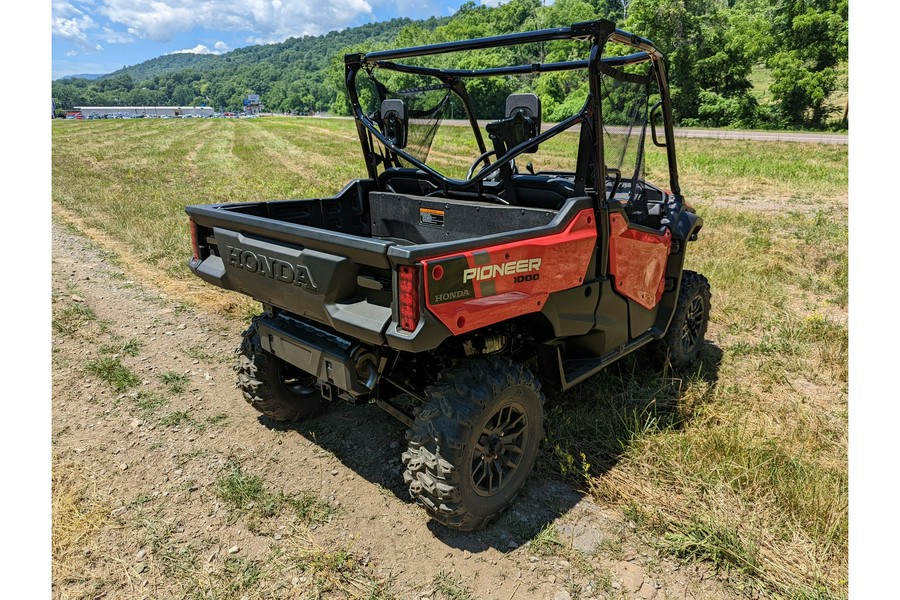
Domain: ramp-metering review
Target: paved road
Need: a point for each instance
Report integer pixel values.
(766, 136)
(723, 134)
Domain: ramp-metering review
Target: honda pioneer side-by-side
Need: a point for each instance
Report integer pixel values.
(473, 262)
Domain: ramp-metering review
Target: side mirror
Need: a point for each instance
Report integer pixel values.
(528, 105)
(395, 122)
(653, 113)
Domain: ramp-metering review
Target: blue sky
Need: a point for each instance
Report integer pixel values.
(100, 36)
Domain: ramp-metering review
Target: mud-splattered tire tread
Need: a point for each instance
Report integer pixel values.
(670, 348)
(259, 381)
(437, 442)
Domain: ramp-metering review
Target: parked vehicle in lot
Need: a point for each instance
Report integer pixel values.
(449, 295)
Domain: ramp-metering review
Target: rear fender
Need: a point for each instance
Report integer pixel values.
(470, 290)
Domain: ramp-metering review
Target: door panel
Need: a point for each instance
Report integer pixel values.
(637, 260)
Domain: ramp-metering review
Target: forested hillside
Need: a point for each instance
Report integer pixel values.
(714, 48)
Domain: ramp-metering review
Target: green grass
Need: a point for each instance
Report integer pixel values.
(707, 541)
(174, 382)
(247, 494)
(547, 541)
(741, 462)
(451, 587)
(217, 419)
(761, 81)
(148, 402)
(198, 352)
(112, 371)
(130, 348)
(176, 418)
(70, 318)
(140, 500)
(170, 164)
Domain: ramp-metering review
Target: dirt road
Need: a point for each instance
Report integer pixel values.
(168, 485)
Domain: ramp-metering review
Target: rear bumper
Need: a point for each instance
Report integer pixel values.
(332, 359)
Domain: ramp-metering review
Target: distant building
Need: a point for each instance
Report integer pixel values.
(146, 111)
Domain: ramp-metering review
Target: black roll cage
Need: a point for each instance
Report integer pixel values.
(589, 116)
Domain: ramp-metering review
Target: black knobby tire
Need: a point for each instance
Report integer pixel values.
(474, 441)
(683, 340)
(270, 385)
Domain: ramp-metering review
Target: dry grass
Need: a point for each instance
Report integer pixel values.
(80, 511)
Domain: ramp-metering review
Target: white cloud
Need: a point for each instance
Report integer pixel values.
(198, 49)
(496, 3)
(71, 52)
(220, 48)
(69, 23)
(63, 8)
(116, 37)
(261, 41)
(269, 20)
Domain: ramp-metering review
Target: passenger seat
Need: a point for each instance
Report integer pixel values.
(543, 191)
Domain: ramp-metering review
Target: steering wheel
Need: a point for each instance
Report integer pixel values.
(480, 159)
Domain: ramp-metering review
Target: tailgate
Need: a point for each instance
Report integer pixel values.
(342, 281)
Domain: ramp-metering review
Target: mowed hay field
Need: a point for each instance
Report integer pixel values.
(741, 462)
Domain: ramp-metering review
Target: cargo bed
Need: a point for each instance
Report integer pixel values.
(334, 260)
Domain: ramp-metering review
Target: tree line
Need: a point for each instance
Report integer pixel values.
(716, 50)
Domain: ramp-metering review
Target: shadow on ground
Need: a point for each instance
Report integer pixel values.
(587, 430)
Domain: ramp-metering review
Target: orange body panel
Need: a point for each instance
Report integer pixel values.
(470, 290)
(637, 261)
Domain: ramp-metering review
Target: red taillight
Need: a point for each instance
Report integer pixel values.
(195, 244)
(409, 297)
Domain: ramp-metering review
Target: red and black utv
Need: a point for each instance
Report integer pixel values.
(472, 262)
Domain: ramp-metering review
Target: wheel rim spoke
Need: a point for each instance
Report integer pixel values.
(511, 438)
(483, 473)
(518, 423)
(693, 322)
(499, 449)
(512, 466)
